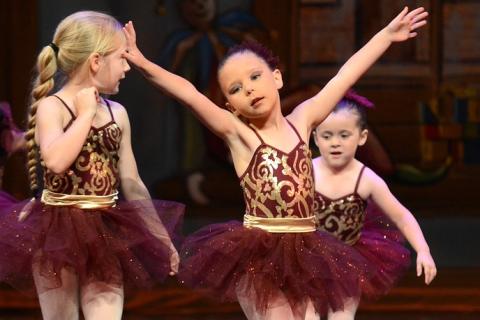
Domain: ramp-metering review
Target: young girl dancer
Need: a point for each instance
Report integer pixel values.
(274, 263)
(342, 187)
(83, 246)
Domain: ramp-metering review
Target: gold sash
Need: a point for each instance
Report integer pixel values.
(79, 201)
(280, 225)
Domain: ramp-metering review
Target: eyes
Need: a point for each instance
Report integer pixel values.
(343, 135)
(254, 76)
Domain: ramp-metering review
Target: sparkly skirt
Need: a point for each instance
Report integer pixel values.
(381, 245)
(116, 246)
(227, 259)
(6, 200)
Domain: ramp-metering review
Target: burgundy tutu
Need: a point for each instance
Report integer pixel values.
(302, 266)
(116, 246)
(6, 200)
(382, 245)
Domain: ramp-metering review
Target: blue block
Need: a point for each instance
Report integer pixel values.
(460, 110)
(426, 114)
(472, 151)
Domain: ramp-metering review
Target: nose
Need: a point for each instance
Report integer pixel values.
(335, 142)
(248, 90)
(126, 67)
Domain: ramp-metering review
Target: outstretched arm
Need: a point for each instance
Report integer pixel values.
(405, 222)
(313, 111)
(220, 121)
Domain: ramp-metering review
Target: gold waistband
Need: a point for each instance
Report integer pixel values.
(280, 225)
(79, 201)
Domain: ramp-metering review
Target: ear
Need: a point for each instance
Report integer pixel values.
(277, 76)
(314, 135)
(95, 62)
(231, 108)
(363, 137)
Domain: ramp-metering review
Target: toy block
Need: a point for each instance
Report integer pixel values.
(450, 131)
(426, 114)
(460, 110)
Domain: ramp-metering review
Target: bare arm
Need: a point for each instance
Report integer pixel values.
(220, 121)
(132, 185)
(405, 222)
(134, 189)
(313, 111)
(59, 148)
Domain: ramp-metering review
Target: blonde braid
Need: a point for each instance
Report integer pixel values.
(43, 84)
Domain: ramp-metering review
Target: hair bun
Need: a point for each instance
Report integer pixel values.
(352, 96)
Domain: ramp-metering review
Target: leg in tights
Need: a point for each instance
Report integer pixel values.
(59, 303)
(311, 314)
(102, 302)
(278, 308)
(348, 313)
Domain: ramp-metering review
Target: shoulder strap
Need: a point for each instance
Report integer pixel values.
(257, 134)
(109, 109)
(66, 106)
(294, 129)
(358, 179)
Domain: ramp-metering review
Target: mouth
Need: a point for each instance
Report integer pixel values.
(336, 153)
(255, 101)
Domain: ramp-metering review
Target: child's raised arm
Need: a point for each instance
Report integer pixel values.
(405, 222)
(220, 121)
(314, 110)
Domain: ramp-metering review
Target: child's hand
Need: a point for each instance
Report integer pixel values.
(425, 262)
(402, 27)
(132, 53)
(86, 101)
(174, 261)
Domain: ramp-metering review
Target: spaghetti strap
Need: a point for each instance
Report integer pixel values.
(66, 106)
(109, 109)
(294, 129)
(358, 179)
(257, 134)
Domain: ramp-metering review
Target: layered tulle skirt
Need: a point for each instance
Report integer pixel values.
(382, 246)
(6, 200)
(124, 246)
(227, 260)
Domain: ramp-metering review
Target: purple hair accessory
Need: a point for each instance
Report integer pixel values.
(352, 96)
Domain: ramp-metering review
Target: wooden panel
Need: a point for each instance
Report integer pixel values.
(374, 15)
(461, 34)
(326, 33)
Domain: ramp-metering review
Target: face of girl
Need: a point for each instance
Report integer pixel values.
(250, 86)
(112, 68)
(338, 137)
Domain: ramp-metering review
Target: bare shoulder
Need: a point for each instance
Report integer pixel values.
(119, 112)
(116, 106)
(50, 108)
(299, 123)
(373, 180)
(50, 104)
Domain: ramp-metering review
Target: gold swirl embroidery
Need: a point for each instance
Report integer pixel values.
(343, 218)
(95, 170)
(269, 195)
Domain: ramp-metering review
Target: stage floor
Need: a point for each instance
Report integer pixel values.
(454, 295)
(360, 316)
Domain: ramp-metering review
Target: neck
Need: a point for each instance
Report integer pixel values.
(76, 82)
(340, 169)
(273, 121)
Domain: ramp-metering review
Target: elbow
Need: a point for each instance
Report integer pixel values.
(56, 166)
